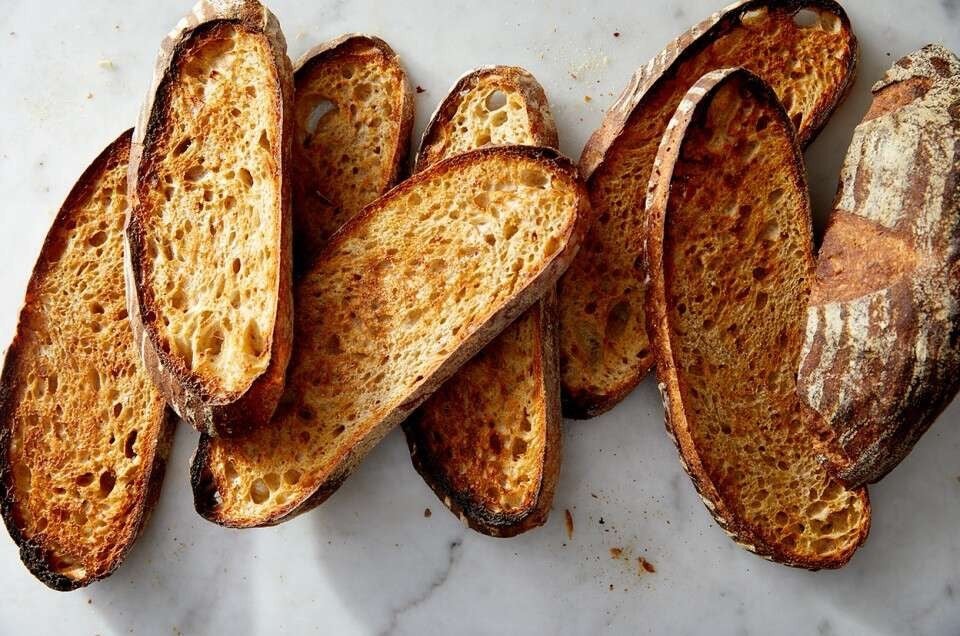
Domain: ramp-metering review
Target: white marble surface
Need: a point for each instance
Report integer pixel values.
(369, 561)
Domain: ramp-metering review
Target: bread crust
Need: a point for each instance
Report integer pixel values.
(211, 412)
(741, 531)
(881, 357)
(466, 503)
(308, 241)
(34, 553)
(583, 402)
(329, 477)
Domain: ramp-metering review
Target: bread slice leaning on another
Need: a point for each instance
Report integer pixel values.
(488, 442)
(729, 248)
(208, 247)
(882, 354)
(353, 112)
(804, 49)
(403, 295)
(84, 434)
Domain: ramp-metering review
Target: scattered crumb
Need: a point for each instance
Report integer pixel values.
(89, 601)
(14, 33)
(420, 89)
(300, 35)
(573, 75)
(594, 496)
(616, 34)
(643, 564)
(89, 95)
(569, 519)
(615, 553)
(106, 64)
(601, 521)
(611, 587)
(427, 512)
(587, 99)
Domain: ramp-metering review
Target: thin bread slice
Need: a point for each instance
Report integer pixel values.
(208, 234)
(882, 357)
(488, 442)
(729, 248)
(84, 434)
(402, 296)
(804, 50)
(353, 113)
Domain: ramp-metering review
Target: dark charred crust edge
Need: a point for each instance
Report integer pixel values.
(744, 534)
(202, 479)
(33, 553)
(230, 413)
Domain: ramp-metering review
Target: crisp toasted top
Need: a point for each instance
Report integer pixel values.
(206, 235)
(391, 301)
(81, 416)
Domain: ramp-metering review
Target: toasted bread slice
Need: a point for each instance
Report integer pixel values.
(353, 114)
(805, 50)
(208, 233)
(84, 434)
(729, 245)
(882, 358)
(488, 442)
(403, 295)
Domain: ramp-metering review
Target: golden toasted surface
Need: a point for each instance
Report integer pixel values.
(353, 113)
(604, 348)
(495, 105)
(737, 269)
(208, 222)
(488, 441)
(404, 291)
(81, 420)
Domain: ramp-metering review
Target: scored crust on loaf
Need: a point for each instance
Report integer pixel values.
(729, 244)
(488, 442)
(403, 295)
(881, 358)
(208, 234)
(84, 434)
(353, 113)
(804, 50)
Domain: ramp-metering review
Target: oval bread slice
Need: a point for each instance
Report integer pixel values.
(882, 353)
(488, 442)
(84, 434)
(730, 259)
(353, 112)
(804, 50)
(208, 234)
(402, 296)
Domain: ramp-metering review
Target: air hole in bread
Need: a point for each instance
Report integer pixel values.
(253, 339)
(534, 178)
(498, 118)
(182, 147)
(230, 471)
(97, 239)
(753, 17)
(84, 480)
(338, 431)
(482, 139)
(235, 266)
(361, 92)
(108, 479)
(259, 492)
(195, 173)
(319, 111)
(291, 476)
(806, 18)
(264, 141)
(117, 409)
(128, 449)
(495, 101)
(245, 177)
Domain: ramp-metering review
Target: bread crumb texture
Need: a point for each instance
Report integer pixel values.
(396, 294)
(348, 114)
(211, 211)
(604, 348)
(737, 271)
(83, 417)
(483, 433)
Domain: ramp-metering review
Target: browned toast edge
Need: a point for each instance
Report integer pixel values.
(201, 478)
(238, 412)
(658, 322)
(32, 553)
